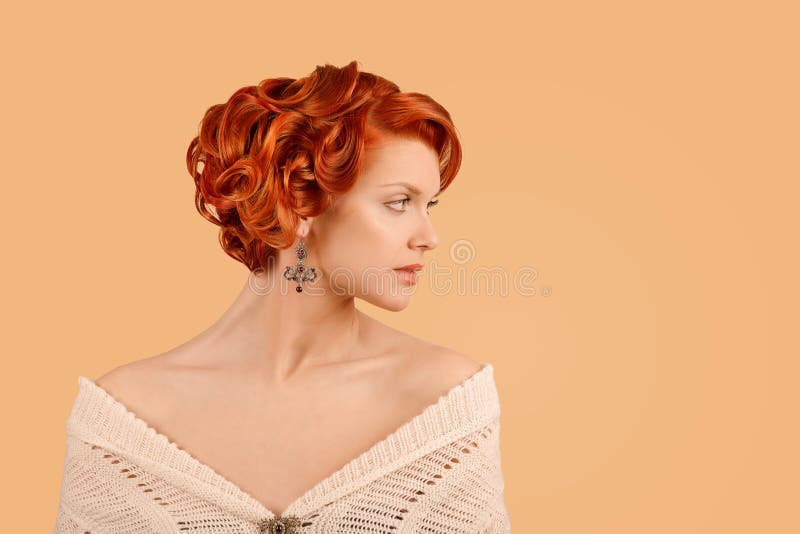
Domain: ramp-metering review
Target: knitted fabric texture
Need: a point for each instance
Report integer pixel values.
(438, 473)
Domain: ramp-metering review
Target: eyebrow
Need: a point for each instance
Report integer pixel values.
(411, 187)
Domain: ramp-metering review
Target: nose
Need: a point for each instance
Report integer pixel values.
(426, 236)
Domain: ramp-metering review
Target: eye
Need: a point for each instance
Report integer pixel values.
(402, 202)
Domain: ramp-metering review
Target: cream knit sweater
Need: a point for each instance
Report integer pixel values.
(437, 473)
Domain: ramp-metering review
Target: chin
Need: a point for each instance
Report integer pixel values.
(396, 302)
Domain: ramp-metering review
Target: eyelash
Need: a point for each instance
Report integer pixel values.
(407, 199)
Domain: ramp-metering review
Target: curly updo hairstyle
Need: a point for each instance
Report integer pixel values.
(279, 151)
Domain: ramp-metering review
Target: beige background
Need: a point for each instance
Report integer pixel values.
(640, 159)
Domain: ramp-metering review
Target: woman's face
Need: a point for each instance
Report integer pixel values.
(381, 224)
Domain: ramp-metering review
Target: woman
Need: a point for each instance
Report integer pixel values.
(296, 412)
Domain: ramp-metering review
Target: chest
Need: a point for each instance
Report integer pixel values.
(277, 447)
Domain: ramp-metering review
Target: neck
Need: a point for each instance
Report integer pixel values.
(273, 331)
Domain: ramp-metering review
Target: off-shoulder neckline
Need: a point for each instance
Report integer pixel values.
(97, 415)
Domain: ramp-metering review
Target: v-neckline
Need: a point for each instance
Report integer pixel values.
(471, 402)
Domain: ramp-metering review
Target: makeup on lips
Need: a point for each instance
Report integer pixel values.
(408, 273)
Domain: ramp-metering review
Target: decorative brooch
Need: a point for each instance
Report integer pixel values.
(288, 524)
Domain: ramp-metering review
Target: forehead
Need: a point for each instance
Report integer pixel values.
(401, 160)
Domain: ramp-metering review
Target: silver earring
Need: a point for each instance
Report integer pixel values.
(300, 273)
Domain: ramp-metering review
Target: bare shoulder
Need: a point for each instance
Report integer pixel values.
(435, 370)
(134, 383)
(424, 368)
(455, 367)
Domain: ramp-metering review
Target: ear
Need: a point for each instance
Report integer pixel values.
(304, 227)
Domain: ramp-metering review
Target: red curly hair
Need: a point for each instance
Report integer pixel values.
(279, 150)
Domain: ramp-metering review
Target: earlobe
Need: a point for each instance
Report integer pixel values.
(304, 227)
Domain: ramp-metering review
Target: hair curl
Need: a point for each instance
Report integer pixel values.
(279, 150)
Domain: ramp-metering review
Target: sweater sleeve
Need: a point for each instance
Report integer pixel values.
(496, 518)
(470, 495)
(67, 518)
(95, 499)
(66, 523)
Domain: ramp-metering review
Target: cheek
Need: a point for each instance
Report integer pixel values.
(361, 238)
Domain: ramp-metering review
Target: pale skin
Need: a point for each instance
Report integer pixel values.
(285, 388)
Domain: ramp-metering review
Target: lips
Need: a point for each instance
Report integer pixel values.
(411, 267)
(408, 276)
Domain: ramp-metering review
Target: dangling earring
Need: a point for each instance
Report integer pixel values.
(300, 273)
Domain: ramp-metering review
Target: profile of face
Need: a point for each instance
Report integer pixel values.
(382, 224)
